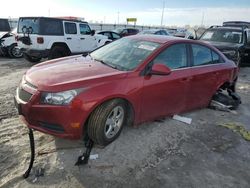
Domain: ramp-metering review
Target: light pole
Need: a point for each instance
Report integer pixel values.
(118, 14)
(162, 15)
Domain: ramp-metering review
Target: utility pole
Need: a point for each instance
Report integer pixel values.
(162, 15)
(118, 14)
(202, 20)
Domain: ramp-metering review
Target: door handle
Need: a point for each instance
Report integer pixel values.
(82, 38)
(69, 38)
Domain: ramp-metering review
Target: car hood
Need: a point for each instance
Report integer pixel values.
(70, 72)
(224, 45)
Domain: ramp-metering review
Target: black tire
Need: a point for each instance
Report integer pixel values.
(58, 51)
(98, 120)
(32, 59)
(13, 52)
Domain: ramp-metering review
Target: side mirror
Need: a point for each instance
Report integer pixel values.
(160, 69)
(92, 32)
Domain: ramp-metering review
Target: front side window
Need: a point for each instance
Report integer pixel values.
(173, 57)
(125, 53)
(70, 28)
(84, 29)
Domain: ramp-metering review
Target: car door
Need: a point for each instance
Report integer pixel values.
(166, 95)
(87, 41)
(71, 37)
(205, 73)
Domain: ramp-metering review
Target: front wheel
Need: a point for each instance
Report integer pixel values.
(106, 122)
(14, 52)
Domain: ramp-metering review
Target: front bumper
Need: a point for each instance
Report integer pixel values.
(35, 53)
(59, 121)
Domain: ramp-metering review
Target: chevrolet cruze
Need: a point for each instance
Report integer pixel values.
(130, 81)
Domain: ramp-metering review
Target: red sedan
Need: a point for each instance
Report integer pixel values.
(130, 81)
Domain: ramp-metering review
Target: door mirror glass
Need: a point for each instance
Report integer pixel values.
(160, 69)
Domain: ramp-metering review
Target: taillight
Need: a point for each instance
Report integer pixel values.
(40, 40)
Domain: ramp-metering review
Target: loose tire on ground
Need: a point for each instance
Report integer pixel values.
(102, 116)
(58, 51)
(32, 59)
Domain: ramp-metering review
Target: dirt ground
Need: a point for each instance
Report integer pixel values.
(156, 154)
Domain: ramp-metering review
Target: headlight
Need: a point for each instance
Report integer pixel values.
(60, 98)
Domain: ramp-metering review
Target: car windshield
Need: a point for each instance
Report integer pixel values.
(28, 23)
(230, 36)
(124, 54)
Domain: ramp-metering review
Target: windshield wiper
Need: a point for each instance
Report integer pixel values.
(108, 64)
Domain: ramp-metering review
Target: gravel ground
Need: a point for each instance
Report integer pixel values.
(154, 154)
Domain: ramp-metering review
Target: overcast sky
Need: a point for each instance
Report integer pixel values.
(147, 12)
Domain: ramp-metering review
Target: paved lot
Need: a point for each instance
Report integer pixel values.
(155, 154)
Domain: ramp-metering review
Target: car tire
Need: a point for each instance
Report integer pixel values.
(106, 122)
(57, 52)
(32, 59)
(13, 52)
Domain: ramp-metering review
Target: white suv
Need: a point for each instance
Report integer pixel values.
(43, 37)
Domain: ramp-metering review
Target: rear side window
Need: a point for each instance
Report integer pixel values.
(51, 27)
(216, 58)
(84, 29)
(174, 56)
(115, 36)
(201, 55)
(70, 28)
(108, 35)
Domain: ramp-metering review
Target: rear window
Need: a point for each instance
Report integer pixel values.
(32, 23)
(70, 28)
(4, 25)
(51, 27)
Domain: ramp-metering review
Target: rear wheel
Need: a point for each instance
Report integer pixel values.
(106, 122)
(58, 51)
(32, 59)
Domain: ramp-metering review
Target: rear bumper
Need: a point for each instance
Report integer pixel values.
(35, 53)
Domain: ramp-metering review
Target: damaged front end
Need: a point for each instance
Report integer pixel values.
(3, 48)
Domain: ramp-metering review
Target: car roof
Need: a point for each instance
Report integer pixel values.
(57, 18)
(162, 39)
